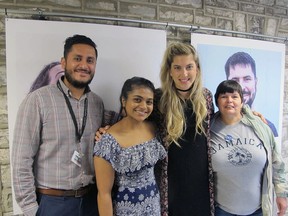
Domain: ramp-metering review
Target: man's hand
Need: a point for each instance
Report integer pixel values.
(100, 132)
(282, 205)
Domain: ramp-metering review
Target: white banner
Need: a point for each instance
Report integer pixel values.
(123, 52)
(269, 59)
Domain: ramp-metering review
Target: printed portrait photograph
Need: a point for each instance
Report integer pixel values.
(258, 66)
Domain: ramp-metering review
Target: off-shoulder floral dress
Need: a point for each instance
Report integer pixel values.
(136, 189)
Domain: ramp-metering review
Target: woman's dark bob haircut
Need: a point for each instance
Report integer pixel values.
(229, 86)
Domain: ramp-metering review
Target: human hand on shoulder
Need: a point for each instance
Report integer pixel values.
(100, 132)
(282, 205)
(260, 116)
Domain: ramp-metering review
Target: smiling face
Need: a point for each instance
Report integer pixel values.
(80, 65)
(139, 103)
(230, 104)
(183, 71)
(244, 75)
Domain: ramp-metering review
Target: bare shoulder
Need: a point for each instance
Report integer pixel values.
(114, 128)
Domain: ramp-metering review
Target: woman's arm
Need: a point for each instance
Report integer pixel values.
(105, 175)
(279, 177)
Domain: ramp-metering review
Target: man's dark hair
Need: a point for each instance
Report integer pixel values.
(78, 39)
(241, 58)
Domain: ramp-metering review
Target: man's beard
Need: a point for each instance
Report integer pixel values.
(250, 100)
(75, 83)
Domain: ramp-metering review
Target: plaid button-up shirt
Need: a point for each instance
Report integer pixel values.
(44, 142)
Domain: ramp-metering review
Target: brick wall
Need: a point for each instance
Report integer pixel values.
(267, 17)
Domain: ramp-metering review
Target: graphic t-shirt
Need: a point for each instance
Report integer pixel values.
(238, 160)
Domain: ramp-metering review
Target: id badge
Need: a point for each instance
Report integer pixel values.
(76, 158)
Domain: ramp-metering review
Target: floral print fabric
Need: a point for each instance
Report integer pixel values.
(136, 189)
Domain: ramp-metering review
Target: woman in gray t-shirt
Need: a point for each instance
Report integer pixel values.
(243, 148)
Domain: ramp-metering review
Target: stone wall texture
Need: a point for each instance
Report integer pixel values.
(265, 17)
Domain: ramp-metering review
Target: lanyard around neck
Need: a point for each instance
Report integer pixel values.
(77, 132)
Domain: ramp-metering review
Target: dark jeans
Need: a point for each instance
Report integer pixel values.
(221, 212)
(68, 206)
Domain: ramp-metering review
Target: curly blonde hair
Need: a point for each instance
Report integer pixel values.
(171, 104)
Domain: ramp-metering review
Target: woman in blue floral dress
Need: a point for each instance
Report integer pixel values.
(125, 156)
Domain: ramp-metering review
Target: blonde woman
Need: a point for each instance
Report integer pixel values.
(185, 177)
